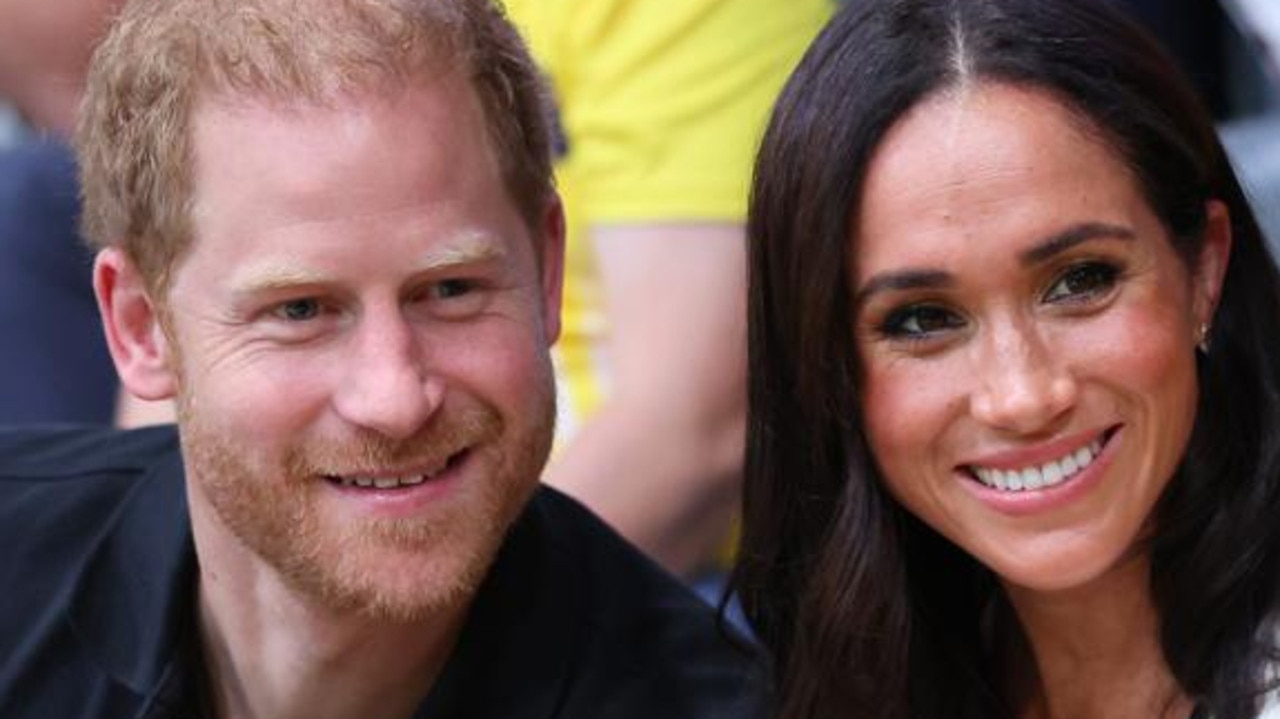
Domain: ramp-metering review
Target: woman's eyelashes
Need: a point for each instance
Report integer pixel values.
(919, 321)
(1081, 285)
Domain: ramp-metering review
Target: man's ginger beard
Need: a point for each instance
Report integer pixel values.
(386, 569)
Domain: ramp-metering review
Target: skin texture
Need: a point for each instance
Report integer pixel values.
(362, 298)
(1016, 299)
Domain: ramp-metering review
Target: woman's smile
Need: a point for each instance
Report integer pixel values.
(1015, 475)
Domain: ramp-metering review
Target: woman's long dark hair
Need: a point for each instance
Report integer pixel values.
(868, 612)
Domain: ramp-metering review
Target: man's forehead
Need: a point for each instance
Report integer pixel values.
(301, 148)
(444, 107)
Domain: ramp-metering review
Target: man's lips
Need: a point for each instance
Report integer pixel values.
(409, 476)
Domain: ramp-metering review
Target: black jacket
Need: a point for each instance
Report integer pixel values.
(98, 571)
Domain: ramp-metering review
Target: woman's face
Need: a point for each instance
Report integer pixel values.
(1027, 334)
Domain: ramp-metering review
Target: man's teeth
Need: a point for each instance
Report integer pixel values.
(1046, 475)
(383, 482)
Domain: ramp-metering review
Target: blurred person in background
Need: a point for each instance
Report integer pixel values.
(660, 106)
(59, 370)
(1252, 131)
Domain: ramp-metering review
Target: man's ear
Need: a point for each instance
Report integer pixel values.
(1211, 265)
(552, 241)
(131, 321)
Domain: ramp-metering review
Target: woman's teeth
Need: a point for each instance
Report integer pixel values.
(1041, 477)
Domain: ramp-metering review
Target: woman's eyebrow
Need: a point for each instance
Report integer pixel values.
(1072, 236)
(901, 280)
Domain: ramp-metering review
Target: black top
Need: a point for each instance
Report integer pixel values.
(96, 603)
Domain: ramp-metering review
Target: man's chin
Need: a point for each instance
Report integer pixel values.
(386, 570)
(398, 570)
(399, 596)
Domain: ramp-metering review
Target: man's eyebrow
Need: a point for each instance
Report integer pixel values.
(271, 277)
(283, 274)
(474, 250)
(1072, 236)
(1050, 247)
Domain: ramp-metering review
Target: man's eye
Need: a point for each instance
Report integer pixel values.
(299, 310)
(920, 321)
(1083, 282)
(446, 289)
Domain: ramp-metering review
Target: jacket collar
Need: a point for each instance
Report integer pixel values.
(133, 599)
(522, 645)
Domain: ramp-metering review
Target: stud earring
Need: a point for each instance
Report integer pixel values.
(1202, 338)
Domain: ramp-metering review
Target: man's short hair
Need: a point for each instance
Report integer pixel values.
(163, 56)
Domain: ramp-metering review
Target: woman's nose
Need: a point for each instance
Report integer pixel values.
(1023, 385)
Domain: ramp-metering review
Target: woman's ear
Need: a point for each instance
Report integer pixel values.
(132, 323)
(1211, 265)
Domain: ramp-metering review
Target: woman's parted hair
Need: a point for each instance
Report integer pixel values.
(162, 56)
(869, 613)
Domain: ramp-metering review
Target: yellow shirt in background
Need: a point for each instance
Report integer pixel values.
(662, 103)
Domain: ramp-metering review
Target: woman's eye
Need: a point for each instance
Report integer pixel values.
(299, 310)
(920, 321)
(1083, 282)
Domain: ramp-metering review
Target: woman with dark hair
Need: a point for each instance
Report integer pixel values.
(1014, 439)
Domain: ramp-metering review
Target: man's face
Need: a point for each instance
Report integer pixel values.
(360, 335)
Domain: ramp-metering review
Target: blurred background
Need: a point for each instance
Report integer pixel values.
(1230, 49)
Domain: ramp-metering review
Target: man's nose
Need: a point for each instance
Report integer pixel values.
(1022, 385)
(386, 385)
